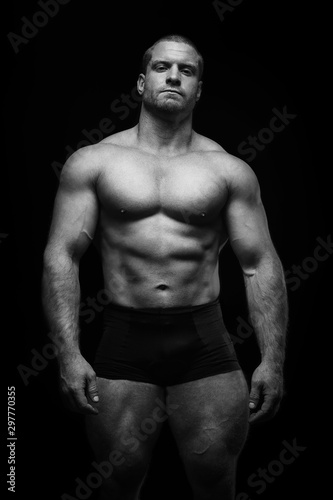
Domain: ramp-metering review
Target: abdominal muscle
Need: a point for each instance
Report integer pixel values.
(160, 262)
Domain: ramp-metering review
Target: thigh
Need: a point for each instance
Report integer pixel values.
(211, 421)
(129, 420)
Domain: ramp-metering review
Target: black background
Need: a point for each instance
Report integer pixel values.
(262, 55)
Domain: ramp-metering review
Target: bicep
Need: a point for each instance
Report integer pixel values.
(246, 223)
(75, 212)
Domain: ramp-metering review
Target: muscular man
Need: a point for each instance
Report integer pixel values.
(161, 201)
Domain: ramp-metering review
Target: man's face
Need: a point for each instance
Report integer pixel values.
(171, 84)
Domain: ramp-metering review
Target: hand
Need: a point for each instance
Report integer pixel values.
(266, 393)
(78, 383)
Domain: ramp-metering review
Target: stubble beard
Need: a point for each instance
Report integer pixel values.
(168, 106)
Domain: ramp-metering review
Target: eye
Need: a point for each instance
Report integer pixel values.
(187, 72)
(160, 67)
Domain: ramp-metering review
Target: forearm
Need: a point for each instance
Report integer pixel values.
(61, 299)
(268, 309)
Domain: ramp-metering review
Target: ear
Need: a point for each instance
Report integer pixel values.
(140, 84)
(199, 91)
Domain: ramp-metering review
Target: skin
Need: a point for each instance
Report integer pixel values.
(161, 201)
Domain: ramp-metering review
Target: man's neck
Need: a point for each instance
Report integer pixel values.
(164, 135)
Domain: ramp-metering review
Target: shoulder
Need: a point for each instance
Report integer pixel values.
(204, 144)
(241, 180)
(238, 175)
(121, 139)
(87, 162)
(234, 167)
(94, 154)
(239, 172)
(83, 165)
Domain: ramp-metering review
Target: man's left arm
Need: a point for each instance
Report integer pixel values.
(265, 287)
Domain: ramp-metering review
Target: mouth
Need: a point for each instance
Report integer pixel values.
(171, 91)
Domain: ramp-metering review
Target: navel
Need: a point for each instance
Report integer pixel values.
(162, 286)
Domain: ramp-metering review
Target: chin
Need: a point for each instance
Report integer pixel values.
(171, 107)
(166, 110)
(167, 107)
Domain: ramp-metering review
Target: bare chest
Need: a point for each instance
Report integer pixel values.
(188, 188)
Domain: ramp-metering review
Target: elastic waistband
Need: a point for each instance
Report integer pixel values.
(161, 311)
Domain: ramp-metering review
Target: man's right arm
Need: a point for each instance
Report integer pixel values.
(72, 228)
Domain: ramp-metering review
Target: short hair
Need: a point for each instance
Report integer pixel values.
(171, 38)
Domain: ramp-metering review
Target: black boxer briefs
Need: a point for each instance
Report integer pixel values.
(164, 346)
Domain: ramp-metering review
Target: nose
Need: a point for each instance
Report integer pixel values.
(173, 76)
